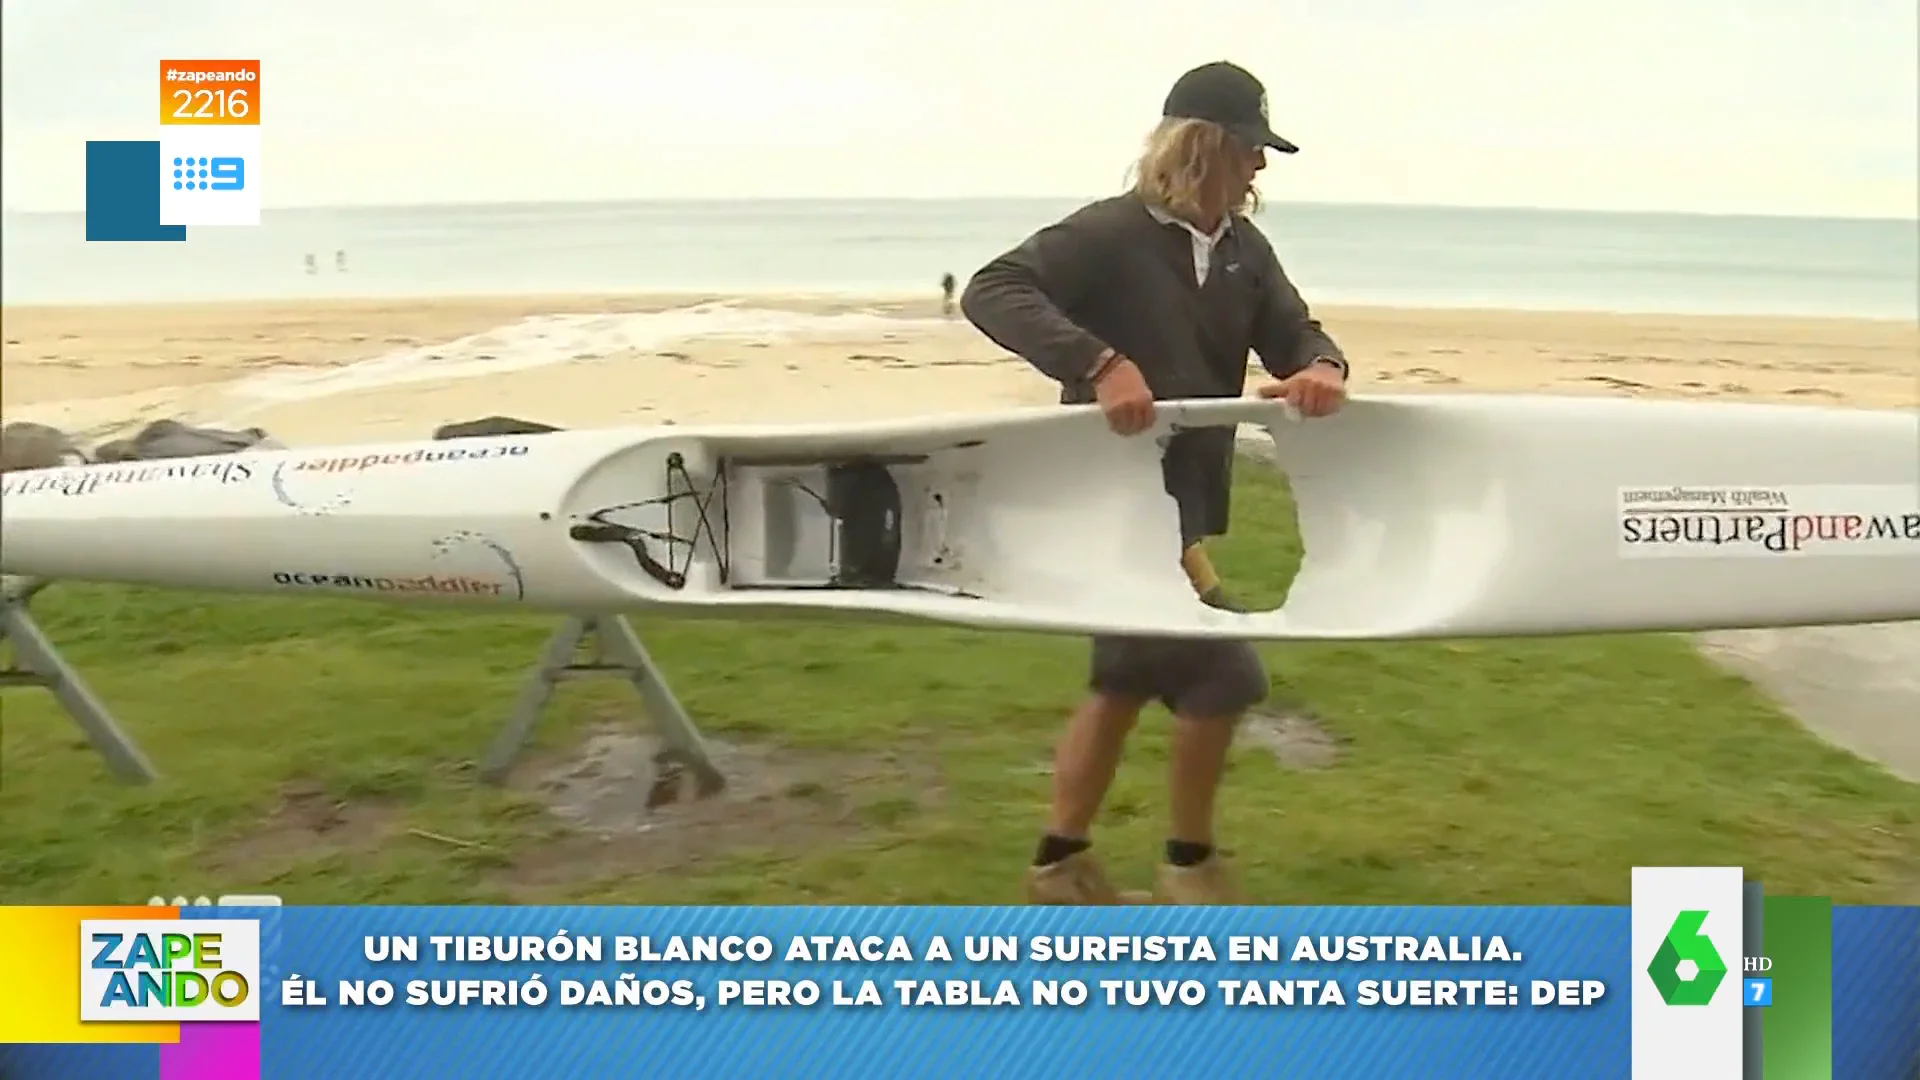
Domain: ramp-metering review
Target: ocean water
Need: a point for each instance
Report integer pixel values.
(1413, 256)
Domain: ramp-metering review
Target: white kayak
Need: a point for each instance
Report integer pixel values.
(1422, 516)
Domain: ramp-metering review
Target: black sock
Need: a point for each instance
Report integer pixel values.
(1054, 849)
(1185, 853)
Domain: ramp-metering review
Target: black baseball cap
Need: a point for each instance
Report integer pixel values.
(1228, 95)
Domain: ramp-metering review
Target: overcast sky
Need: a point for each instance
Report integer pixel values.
(1739, 106)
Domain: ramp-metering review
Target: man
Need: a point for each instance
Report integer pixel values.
(1161, 293)
(947, 285)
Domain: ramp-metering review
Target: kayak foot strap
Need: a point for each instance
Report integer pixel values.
(598, 528)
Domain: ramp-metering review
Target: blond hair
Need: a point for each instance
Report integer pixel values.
(1180, 169)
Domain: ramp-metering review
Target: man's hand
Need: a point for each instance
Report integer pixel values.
(1316, 390)
(1124, 397)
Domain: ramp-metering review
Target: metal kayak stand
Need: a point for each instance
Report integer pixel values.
(612, 650)
(36, 662)
(611, 647)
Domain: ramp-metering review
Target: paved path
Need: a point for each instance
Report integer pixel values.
(1857, 687)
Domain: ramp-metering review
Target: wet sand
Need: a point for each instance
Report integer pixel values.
(291, 367)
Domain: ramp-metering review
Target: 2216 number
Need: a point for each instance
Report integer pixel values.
(228, 104)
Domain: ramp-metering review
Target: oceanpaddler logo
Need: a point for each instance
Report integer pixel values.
(301, 499)
(86, 479)
(353, 463)
(466, 564)
(442, 584)
(466, 540)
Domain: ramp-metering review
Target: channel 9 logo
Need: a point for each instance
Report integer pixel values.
(207, 176)
(210, 174)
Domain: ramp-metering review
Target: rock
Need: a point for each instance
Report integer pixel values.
(173, 439)
(493, 425)
(114, 450)
(27, 445)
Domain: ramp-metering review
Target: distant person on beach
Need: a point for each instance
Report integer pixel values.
(313, 264)
(947, 286)
(340, 261)
(1155, 294)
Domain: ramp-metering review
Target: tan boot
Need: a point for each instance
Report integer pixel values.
(1211, 882)
(1076, 881)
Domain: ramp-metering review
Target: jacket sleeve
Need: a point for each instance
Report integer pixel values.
(1020, 299)
(1285, 334)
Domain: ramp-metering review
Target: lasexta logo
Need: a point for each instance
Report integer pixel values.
(1684, 947)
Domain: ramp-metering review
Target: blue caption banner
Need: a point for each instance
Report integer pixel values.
(1413, 992)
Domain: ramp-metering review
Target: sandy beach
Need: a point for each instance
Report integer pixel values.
(340, 371)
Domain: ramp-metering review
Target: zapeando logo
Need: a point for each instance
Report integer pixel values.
(1684, 945)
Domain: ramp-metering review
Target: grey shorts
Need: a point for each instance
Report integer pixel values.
(1192, 678)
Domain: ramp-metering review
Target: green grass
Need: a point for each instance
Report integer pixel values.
(1523, 771)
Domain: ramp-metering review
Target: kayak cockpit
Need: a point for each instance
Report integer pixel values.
(785, 523)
